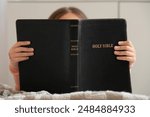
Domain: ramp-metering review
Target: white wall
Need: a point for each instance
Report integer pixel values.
(135, 11)
(138, 18)
(3, 45)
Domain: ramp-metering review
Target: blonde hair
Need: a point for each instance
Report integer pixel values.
(64, 10)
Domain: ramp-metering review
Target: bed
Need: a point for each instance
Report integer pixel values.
(8, 93)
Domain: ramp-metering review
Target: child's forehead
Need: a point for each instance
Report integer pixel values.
(69, 16)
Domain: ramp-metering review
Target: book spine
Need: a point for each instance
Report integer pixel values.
(73, 55)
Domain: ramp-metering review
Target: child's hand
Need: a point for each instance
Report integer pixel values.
(18, 52)
(125, 51)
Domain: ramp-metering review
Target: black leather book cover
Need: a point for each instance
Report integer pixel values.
(97, 64)
(71, 55)
(49, 68)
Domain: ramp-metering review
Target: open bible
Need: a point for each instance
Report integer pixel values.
(73, 55)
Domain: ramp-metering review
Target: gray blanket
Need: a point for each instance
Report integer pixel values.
(8, 93)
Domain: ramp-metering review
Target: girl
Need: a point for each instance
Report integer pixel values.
(20, 53)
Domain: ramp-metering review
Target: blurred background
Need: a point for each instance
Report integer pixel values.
(136, 12)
